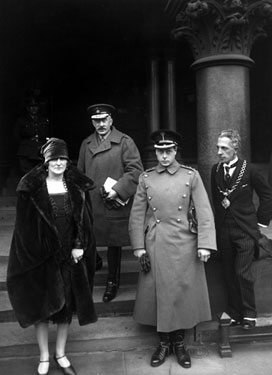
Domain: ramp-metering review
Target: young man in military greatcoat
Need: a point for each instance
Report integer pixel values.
(172, 291)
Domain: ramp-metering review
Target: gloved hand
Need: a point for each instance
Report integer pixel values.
(109, 203)
(145, 263)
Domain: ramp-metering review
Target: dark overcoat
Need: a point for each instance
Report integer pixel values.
(34, 280)
(116, 157)
(31, 133)
(245, 179)
(174, 294)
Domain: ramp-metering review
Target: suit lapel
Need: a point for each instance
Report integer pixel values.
(236, 172)
(95, 146)
(219, 176)
(235, 176)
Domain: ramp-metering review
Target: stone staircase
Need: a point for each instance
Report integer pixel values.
(122, 305)
(115, 327)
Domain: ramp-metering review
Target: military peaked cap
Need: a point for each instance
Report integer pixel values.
(98, 111)
(165, 138)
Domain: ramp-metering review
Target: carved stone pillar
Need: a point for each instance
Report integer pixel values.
(221, 34)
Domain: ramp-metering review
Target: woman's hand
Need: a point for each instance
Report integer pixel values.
(203, 254)
(139, 252)
(77, 254)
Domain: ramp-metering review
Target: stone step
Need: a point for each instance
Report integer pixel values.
(117, 333)
(7, 216)
(107, 334)
(3, 273)
(5, 241)
(8, 201)
(121, 305)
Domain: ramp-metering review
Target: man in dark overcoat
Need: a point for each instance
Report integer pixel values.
(30, 133)
(233, 182)
(108, 153)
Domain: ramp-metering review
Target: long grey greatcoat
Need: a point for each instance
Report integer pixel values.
(173, 295)
(116, 157)
(34, 280)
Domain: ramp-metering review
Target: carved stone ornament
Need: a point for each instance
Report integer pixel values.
(214, 27)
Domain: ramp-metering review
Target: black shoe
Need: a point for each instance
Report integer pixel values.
(162, 351)
(248, 324)
(182, 354)
(235, 323)
(66, 370)
(111, 291)
(43, 373)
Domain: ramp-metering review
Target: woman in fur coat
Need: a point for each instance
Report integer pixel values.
(52, 257)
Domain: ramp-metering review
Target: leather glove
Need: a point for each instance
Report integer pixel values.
(145, 263)
(109, 203)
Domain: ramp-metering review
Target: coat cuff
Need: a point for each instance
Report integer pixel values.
(77, 244)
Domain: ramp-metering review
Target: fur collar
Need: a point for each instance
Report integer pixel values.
(34, 179)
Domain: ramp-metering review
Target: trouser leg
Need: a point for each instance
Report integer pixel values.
(246, 280)
(237, 249)
(114, 265)
(99, 262)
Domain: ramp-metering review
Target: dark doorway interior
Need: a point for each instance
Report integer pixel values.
(78, 52)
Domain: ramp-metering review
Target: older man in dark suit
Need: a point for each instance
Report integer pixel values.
(237, 222)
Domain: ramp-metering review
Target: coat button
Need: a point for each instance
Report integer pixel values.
(189, 172)
(178, 220)
(145, 175)
(187, 184)
(149, 198)
(184, 196)
(154, 209)
(158, 221)
(179, 208)
(146, 186)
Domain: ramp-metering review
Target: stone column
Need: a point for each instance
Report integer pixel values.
(170, 96)
(149, 158)
(221, 34)
(222, 89)
(154, 123)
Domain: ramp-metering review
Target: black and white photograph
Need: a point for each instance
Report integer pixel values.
(135, 187)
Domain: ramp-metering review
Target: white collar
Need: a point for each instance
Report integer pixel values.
(230, 165)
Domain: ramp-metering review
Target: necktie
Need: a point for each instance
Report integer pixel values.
(227, 175)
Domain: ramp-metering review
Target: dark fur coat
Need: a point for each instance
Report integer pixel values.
(34, 281)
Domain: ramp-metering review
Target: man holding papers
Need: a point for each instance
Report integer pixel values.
(111, 159)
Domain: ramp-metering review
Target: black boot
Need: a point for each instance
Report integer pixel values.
(110, 292)
(162, 351)
(182, 354)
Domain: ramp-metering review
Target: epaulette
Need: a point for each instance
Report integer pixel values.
(188, 167)
(150, 169)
